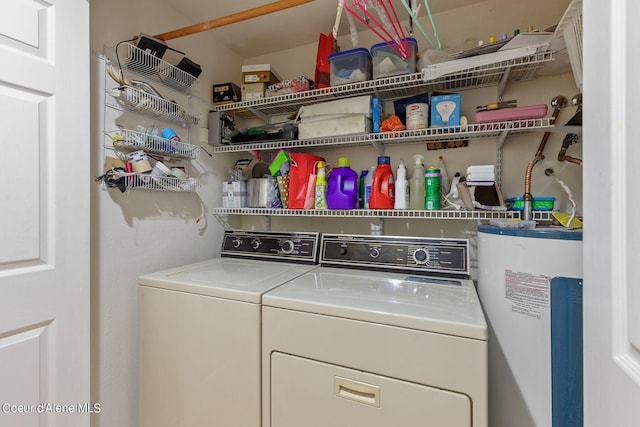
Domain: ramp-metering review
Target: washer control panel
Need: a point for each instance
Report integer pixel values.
(397, 253)
(296, 247)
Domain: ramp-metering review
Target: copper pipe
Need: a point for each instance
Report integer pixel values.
(558, 103)
(569, 140)
(232, 19)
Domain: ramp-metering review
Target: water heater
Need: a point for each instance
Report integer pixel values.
(530, 287)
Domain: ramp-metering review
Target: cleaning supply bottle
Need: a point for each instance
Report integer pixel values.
(445, 181)
(383, 186)
(432, 189)
(342, 192)
(321, 187)
(402, 188)
(416, 191)
(363, 175)
(368, 183)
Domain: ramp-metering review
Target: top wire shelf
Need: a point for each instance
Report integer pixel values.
(156, 69)
(401, 86)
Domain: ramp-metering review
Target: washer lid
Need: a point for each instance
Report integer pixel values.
(237, 279)
(446, 306)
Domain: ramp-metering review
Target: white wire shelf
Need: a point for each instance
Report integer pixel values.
(382, 213)
(443, 134)
(139, 101)
(135, 140)
(134, 181)
(153, 68)
(401, 86)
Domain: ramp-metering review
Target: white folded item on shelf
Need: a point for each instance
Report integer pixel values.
(356, 124)
(357, 106)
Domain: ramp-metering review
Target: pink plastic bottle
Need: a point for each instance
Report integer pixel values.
(383, 187)
(343, 186)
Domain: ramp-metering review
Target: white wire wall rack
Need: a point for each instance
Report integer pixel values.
(156, 69)
(135, 140)
(136, 181)
(139, 101)
(383, 213)
(443, 134)
(401, 86)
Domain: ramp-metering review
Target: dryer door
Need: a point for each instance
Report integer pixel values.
(315, 394)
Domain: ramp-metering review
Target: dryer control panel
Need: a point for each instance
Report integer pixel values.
(426, 255)
(287, 247)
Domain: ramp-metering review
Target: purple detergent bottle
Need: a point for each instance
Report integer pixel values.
(342, 190)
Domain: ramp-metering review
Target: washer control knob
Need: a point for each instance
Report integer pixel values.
(374, 252)
(255, 243)
(237, 243)
(421, 256)
(343, 250)
(287, 247)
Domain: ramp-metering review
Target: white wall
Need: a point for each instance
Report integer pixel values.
(139, 232)
(142, 231)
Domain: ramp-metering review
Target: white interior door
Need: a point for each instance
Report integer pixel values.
(44, 213)
(612, 240)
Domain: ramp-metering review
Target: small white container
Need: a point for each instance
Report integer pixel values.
(417, 116)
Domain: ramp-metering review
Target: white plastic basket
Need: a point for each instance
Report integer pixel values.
(570, 28)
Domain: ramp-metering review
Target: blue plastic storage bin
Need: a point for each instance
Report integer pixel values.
(350, 66)
(387, 62)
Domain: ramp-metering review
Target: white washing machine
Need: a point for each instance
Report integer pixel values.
(199, 330)
(388, 331)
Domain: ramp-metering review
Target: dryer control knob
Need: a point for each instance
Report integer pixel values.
(343, 250)
(287, 247)
(237, 243)
(255, 243)
(374, 252)
(421, 256)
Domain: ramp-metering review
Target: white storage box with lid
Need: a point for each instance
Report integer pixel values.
(350, 66)
(388, 62)
(347, 116)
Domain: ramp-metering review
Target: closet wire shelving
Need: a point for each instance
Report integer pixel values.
(139, 101)
(406, 85)
(140, 62)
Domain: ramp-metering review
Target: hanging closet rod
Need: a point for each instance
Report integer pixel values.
(232, 19)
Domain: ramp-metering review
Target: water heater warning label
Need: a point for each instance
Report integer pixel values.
(528, 293)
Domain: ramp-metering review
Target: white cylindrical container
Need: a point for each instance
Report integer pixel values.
(417, 116)
(530, 287)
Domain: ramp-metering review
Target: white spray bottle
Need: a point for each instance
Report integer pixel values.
(402, 188)
(416, 192)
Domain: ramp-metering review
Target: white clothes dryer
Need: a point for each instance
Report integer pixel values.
(199, 330)
(389, 331)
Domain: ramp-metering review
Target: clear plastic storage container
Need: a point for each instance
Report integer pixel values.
(387, 62)
(350, 66)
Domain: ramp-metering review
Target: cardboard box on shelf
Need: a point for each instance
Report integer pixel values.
(251, 91)
(259, 73)
(226, 92)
